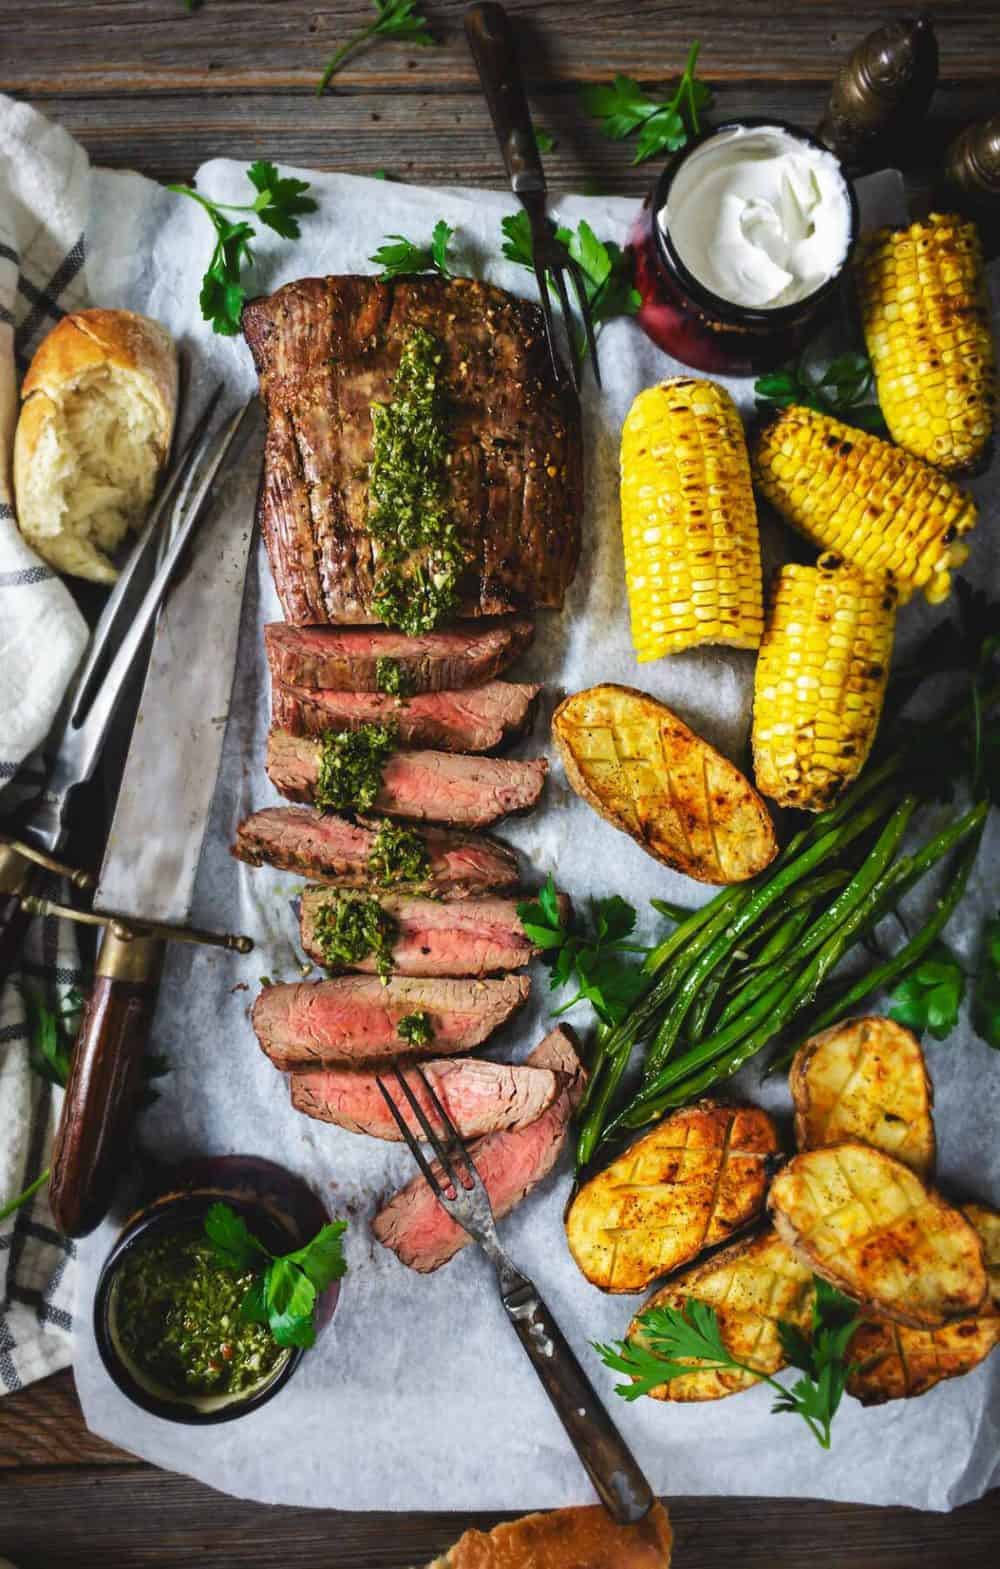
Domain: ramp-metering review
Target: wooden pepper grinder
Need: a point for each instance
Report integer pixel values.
(881, 92)
(972, 167)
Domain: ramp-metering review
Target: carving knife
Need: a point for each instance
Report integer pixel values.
(148, 873)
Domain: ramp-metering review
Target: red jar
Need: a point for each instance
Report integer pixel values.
(700, 328)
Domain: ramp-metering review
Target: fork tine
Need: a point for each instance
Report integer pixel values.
(430, 1133)
(585, 311)
(456, 1144)
(550, 326)
(567, 315)
(410, 1139)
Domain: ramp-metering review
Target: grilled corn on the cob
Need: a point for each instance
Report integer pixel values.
(820, 680)
(879, 507)
(692, 553)
(927, 326)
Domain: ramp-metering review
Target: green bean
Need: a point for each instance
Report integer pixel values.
(706, 997)
(871, 870)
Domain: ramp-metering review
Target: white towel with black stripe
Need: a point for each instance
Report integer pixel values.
(44, 182)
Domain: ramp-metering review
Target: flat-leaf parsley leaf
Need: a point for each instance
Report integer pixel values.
(287, 1286)
(395, 19)
(663, 125)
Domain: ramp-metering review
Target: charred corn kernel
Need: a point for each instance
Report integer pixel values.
(926, 320)
(880, 508)
(820, 680)
(689, 523)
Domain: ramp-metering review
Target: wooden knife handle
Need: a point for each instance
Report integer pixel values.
(16, 876)
(92, 1143)
(494, 50)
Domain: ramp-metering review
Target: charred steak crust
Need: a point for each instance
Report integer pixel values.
(346, 659)
(325, 349)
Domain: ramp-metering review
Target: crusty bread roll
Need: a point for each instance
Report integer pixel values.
(97, 417)
(565, 1539)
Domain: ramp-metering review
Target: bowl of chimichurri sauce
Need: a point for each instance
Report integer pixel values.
(167, 1313)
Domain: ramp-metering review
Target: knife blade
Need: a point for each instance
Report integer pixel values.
(158, 828)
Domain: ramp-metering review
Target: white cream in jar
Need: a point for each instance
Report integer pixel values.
(759, 217)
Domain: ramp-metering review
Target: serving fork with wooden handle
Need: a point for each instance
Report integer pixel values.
(458, 1187)
(494, 49)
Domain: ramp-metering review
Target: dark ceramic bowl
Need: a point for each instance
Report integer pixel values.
(278, 1207)
(701, 328)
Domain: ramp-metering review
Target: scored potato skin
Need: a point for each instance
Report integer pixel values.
(750, 1285)
(647, 773)
(865, 1079)
(697, 1178)
(871, 1227)
(891, 1362)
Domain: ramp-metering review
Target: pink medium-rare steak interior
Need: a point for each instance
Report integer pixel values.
(346, 659)
(422, 1234)
(334, 851)
(477, 719)
(326, 349)
(356, 1018)
(438, 787)
(437, 937)
(479, 1096)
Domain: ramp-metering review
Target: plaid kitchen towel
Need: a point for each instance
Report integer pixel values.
(44, 180)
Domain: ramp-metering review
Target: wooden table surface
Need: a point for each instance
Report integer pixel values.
(144, 84)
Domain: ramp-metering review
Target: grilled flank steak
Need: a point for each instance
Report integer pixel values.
(326, 351)
(356, 659)
(342, 854)
(437, 787)
(479, 719)
(356, 1018)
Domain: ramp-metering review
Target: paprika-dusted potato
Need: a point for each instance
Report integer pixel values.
(698, 1177)
(750, 1285)
(644, 770)
(865, 1079)
(870, 1226)
(891, 1362)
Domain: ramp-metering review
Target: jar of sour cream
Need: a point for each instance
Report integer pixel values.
(741, 247)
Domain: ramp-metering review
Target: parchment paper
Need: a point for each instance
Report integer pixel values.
(419, 1397)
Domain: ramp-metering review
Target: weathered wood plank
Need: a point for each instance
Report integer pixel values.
(132, 1518)
(42, 1427)
(167, 136)
(156, 45)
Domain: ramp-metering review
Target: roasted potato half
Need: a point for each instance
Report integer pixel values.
(698, 1177)
(892, 1362)
(868, 1224)
(640, 767)
(750, 1285)
(865, 1079)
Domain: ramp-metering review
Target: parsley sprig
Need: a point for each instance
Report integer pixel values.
(397, 255)
(845, 389)
(929, 997)
(595, 959)
(287, 1286)
(663, 125)
(395, 19)
(279, 203)
(681, 1341)
(606, 269)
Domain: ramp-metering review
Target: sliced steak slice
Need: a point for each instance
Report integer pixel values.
(463, 937)
(436, 787)
(479, 719)
(481, 1097)
(334, 851)
(356, 1018)
(326, 349)
(345, 659)
(422, 1234)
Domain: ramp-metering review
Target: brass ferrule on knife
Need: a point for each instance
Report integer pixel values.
(17, 863)
(128, 931)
